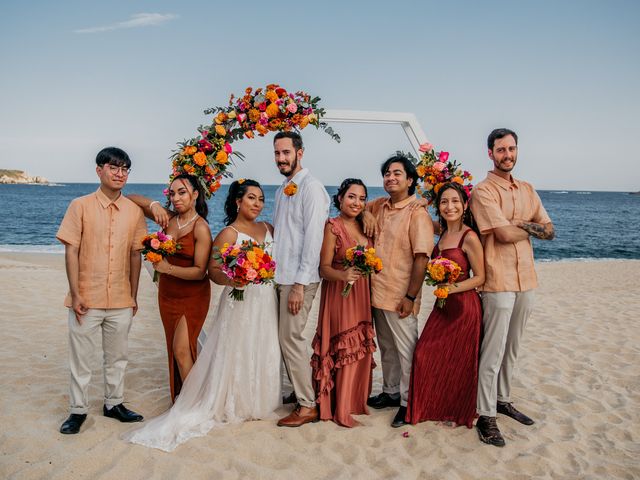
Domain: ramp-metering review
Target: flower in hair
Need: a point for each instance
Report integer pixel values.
(240, 181)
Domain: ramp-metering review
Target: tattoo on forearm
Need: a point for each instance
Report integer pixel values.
(537, 230)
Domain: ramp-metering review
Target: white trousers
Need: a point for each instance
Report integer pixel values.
(114, 325)
(505, 315)
(397, 339)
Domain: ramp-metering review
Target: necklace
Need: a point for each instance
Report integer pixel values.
(180, 227)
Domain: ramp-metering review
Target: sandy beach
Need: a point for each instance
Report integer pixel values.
(578, 376)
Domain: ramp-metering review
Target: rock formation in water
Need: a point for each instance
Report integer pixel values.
(18, 176)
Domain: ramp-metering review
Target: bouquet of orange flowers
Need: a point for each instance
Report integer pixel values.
(158, 246)
(441, 272)
(245, 263)
(364, 260)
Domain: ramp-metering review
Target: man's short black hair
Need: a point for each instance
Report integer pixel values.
(294, 136)
(499, 133)
(113, 156)
(409, 168)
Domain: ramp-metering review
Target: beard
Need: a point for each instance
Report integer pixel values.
(286, 172)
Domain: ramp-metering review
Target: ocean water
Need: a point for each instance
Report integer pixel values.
(589, 225)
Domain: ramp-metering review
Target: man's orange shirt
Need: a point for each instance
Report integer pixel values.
(106, 232)
(402, 234)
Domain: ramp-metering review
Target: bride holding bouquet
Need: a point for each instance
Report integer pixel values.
(237, 374)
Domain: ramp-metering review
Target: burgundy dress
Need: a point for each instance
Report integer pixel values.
(178, 298)
(344, 343)
(444, 374)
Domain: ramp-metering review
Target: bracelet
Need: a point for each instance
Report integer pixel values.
(155, 201)
(409, 297)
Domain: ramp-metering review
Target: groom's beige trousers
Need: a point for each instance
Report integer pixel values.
(505, 315)
(296, 349)
(84, 346)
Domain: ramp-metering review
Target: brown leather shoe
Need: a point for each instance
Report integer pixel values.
(300, 416)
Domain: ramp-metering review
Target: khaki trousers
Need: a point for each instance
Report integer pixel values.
(397, 339)
(504, 318)
(296, 349)
(114, 325)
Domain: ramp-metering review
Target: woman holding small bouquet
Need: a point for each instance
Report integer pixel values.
(237, 374)
(344, 342)
(184, 290)
(444, 374)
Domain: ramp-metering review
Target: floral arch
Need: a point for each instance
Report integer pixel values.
(258, 112)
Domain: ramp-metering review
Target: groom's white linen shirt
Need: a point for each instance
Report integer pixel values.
(298, 223)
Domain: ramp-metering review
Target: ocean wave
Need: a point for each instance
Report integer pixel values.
(32, 248)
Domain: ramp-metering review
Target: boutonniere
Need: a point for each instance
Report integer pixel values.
(291, 189)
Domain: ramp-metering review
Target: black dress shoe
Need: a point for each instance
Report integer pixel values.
(399, 419)
(510, 411)
(383, 400)
(291, 398)
(488, 431)
(122, 413)
(72, 424)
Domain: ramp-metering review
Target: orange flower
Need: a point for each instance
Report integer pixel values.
(248, 134)
(200, 158)
(271, 95)
(457, 180)
(441, 292)
(304, 121)
(254, 114)
(262, 130)
(221, 118)
(272, 110)
(153, 257)
(437, 188)
(190, 169)
(222, 157)
(291, 189)
(190, 150)
(220, 130)
(210, 171)
(422, 171)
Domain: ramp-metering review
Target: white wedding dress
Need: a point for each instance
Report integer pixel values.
(236, 376)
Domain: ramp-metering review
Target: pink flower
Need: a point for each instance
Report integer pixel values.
(444, 156)
(240, 261)
(162, 237)
(155, 243)
(205, 146)
(242, 117)
(227, 147)
(439, 166)
(292, 107)
(251, 274)
(165, 192)
(426, 147)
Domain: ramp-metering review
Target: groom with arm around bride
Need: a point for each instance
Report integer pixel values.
(301, 210)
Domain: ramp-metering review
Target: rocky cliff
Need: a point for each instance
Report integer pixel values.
(18, 176)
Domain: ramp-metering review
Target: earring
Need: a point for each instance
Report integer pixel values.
(238, 209)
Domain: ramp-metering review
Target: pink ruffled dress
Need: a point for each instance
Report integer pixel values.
(344, 343)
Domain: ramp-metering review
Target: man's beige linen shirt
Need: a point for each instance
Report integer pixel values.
(402, 234)
(496, 202)
(106, 232)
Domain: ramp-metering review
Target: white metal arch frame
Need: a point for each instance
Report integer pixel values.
(407, 121)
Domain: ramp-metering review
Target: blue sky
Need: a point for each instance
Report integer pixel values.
(78, 76)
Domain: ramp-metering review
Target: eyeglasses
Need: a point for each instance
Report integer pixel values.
(124, 171)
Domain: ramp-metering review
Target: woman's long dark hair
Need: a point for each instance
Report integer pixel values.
(467, 217)
(237, 190)
(342, 189)
(202, 208)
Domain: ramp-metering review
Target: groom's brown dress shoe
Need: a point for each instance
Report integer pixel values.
(510, 411)
(72, 424)
(300, 416)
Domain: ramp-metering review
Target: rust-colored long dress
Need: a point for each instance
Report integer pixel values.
(344, 343)
(178, 298)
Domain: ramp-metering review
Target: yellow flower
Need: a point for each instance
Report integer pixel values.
(422, 171)
(436, 272)
(220, 130)
(272, 110)
(291, 189)
(190, 150)
(457, 180)
(271, 95)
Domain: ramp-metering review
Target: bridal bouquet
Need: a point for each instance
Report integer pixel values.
(435, 169)
(364, 260)
(158, 246)
(245, 263)
(441, 272)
